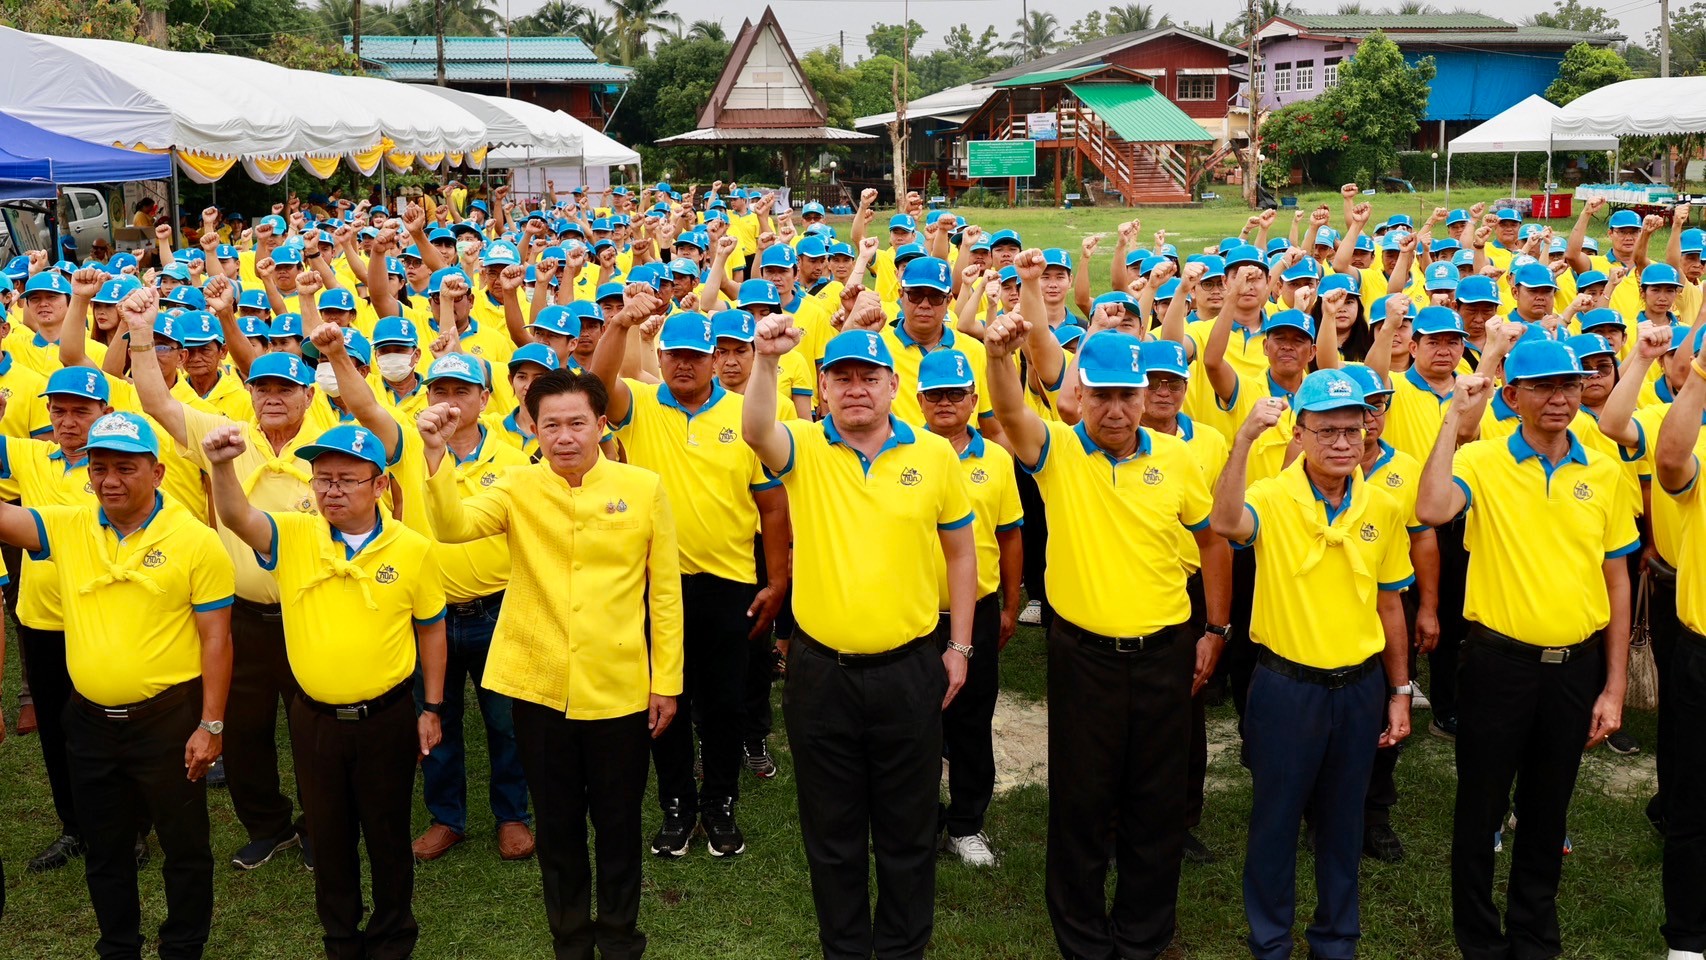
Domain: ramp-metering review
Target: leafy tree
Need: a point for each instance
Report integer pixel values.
(833, 84)
(1586, 68)
(1351, 9)
(635, 21)
(1355, 127)
(299, 52)
(872, 86)
(669, 89)
(1035, 37)
(978, 51)
(1414, 8)
(890, 40)
(1135, 17)
(1573, 15)
(101, 19)
(1687, 41)
(1089, 28)
(941, 70)
(556, 18)
(707, 30)
(599, 34)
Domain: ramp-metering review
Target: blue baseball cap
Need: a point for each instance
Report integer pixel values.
(1441, 276)
(1368, 380)
(781, 255)
(533, 353)
(608, 290)
(395, 331)
(253, 327)
(500, 253)
(166, 326)
(438, 277)
(945, 369)
(1591, 278)
(1624, 220)
(1168, 290)
(754, 292)
(1447, 245)
(1693, 240)
(1165, 356)
(349, 440)
(1589, 345)
(274, 221)
(226, 251)
(440, 233)
(1247, 253)
(1377, 309)
(907, 252)
(1008, 274)
(1533, 359)
(1363, 242)
(1430, 320)
(336, 298)
(688, 330)
(1456, 217)
(1463, 258)
(1348, 282)
(458, 366)
(1305, 269)
(1291, 319)
(693, 238)
(1603, 317)
(1214, 267)
(734, 324)
(85, 382)
(1000, 237)
(862, 346)
(812, 248)
(1660, 275)
(1068, 334)
(1276, 245)
(683, 267)
(281, 366)
(288, 255)
(1118, 298)
(1326, 237)
(1111, 359)
(902, 221)
(185, 296)
(927, 272)
(254, 300)
(18, 268)
(811, 207)
(1533, 275)
(479, 205)
(200, 328)
(115, 265)
(116, 289)
(285, 325)
(1478, 289)
(123, 433)
(48, 281)
(1056, 257)
(1509, 215)
(841, 250)
(394, 267)
(1528, 230)
(557, 319)
(1326, 390)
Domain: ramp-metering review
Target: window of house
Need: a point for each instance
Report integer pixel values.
(1196, 88)
(1305, 75)
(1260, 80)
(1282, 78)
(1330, 74)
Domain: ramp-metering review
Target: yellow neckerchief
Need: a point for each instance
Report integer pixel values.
(1336, 534)
(155, 529)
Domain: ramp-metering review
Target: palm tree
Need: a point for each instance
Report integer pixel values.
(636, 20)
(557, 18)
(1035, 37)
(707, 30)
(462, 18)
(1351, 9)
(338, 16)
(1135, 17)
(599, 34)
(1415, 8)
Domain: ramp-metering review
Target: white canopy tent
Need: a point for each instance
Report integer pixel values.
(1654, 107)
(592, 170)
(1525, 127)
(516, 124)
(414, 119)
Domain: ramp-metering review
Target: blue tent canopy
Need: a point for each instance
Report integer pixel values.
(34, 162)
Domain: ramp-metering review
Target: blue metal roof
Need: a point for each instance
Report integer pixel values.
(519, 72)
(528, 59)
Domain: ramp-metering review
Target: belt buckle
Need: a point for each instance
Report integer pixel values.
(1339, 679)
(358, 712)
(1129, 644)
(121, 714)
(1554, 655)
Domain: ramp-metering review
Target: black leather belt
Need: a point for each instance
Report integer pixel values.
(477, 607)
(1334, 679)
(1529, 651)
(159, 703)
(863, 659)
(1143, 644)
(266, 611)
(364, 709)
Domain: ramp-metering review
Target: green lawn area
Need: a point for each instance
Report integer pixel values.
(758, 907)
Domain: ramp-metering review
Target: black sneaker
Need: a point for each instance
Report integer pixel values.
(216, 772)
(758, 759)
(57, 854)
(672, 838)
(1196, 851)
(1379, 842)
(257, 852)
(142, 854)
(1444, 728)
(1623, 743)
(722, 837)
(307, 849)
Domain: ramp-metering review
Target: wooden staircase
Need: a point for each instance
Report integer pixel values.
(1139, 172)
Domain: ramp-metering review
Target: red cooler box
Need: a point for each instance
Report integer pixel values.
(1558, 209)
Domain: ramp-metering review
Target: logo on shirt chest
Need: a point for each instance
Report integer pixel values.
(5, 393)
(1153, 476)
(616, 506)
(1369, 533)
(910, 477)
(1583, 492)
(487, 479)
(726, 436)
(979, 476)
(153, 559)
(1394, 480)
(305, 505)
(386, 574)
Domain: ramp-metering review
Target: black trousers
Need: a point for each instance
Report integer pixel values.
(1238, 658)
(1443, 673)
(1118, 738)
(576, 769)
(716, 649)
(867, 746)
(43, 652)
(968, 739)
(123, 771)
(1034, 536)
(358, 784)
(1682, 784)
(756, 714)
(1522, 721)
(1196, 771)
(260, 680)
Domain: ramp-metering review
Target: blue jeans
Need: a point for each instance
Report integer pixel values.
(469, 638)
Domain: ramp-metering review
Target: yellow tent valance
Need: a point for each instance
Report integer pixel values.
(321, 167)
(202, 168)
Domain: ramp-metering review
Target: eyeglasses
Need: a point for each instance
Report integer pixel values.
(1332, 435)
(932, 298)
(1217, 283)
(945, 396)
(329, 485)
(1379, 404)
(1603, 370)
(1546, 391)
(1165, 384)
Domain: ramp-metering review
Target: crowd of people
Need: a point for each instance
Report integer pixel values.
(622, 461)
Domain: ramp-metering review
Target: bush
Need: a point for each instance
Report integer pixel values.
(982, 197)
(1495, 168)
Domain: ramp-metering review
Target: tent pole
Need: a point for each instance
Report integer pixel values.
(1514, 157)
(1448, 181)
(1546, 188)
(172, 198)
(382, 181)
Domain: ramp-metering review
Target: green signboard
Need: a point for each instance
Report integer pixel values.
(1001, 158)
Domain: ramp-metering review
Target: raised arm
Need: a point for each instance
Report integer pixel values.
(1026, 432)
(1356, 218)
(1573, 252)
(758, 424)
(223, 445)
(137, 313)
(1230, 518)
(73, 333)
(1438, 499)
(1617, 417)
(608, 357)
(1118, 274)
(353, 389)
(1081, 276)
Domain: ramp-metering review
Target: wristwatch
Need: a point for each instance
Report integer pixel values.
(1407, 690)
(215, 727)
(1218, 630)
(433, 708)
(961, 649)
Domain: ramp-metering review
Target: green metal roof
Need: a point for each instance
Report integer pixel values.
(1139, 113)
(1049, 76)
(1397, 21)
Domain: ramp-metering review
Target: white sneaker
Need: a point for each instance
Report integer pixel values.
(1419, 700)
(1685, 955)
(1032, 614)
(974, 850)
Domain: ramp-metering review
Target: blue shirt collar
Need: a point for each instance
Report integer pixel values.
(667, 398)
(1333, 512)
(159, 502)
(1501, 409)
(1386, 452)
(975, 447)
(511, 424)
(1661, 386)
(946, 343)
(1143, 443)
(1417, 381)
(70, 465)
(474, 454)
(900, 432)
(1187, 427)
(1275, 390)
(373, 537)
(5, 362)
(473, 327)
(1521, 450)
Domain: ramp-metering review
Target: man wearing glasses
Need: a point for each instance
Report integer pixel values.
(1124, 660)
(1332, 555)
(924, 286)
(1544, 667)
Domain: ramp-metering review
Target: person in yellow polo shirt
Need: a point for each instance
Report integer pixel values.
(1332, 554)
(148, 649)
(1123, 664)
(1681, 656)
(588, 643)
(687, 430)
(864, 483)
(947, 391)
(364, 595)
(921, 329)
(1543, 673)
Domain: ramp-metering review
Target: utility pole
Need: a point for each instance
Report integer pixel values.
(438, 28)
(1252, 162)
(1664, 38)
(841, 48)
(355, 28)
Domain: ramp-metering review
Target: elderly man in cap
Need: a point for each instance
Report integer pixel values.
(1544, 669)
(1332, 554)
(1124, 661)
(147, 646)
(867, 768)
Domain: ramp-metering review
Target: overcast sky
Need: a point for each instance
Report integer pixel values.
(814, 23)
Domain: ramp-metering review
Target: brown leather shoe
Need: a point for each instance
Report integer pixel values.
(436, 842)
(26, 720)
(515, 841)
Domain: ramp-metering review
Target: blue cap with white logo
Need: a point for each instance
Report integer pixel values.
(48, 281)
(557, 319)
(337, 298)
(281, 366)
(758, 292)
(284, 326)
(200, 328)
(1693, 240)
(1350, 283)
(1477, 289)
(1431, 320)
(1367, 379)
(1305, 269)
(185, 296)
(1660, 275)
(945, 370)
(735, 325)
(860, 346)
(85, 382)
(1535, 276)
(927, 272)
(1589, 345)
(812, 247)
(116, 289)
(500, 253)
(396, 331)
(1509, 215)
(902, 221)
(1440, 277)
(908, 252)
(436, 281)
(608, 290)
(1068, 334)
(458, 366)
(1292, 320)
(779, 255)
(1457, 216)
(123, 433)
(1000, 237)
(350, 440)
(1326, 390)
(688, 330)
(252, 327)
(1245, 254)
(1601, 318)
(1377, 309)
(533, 353)
(1056, 257)
(1165, 356)
(1533, 359)
(1111, 359)
(1624, 220)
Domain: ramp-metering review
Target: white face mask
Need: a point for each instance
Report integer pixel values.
(326, 379)
(395, 366)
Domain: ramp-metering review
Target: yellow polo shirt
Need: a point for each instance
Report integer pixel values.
(1318, 569)
(1400, 476)
(1537, 537)
(33, 352)
(349, 619)
(38, 474)
(1210, 450)
(886, 511)
(887, 276)
(908, 355)
(1665, 519)
(1689, 543)
(1267, 453)
(994, 494)
(486, 340)
(1413, 420)
(508, 430)
(478, 568)
(1107, 515)
(228, 398)
(274, 484)
(26, 409)
(130, 631)
(795, 377)
(591, 568)
(1244, 354)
